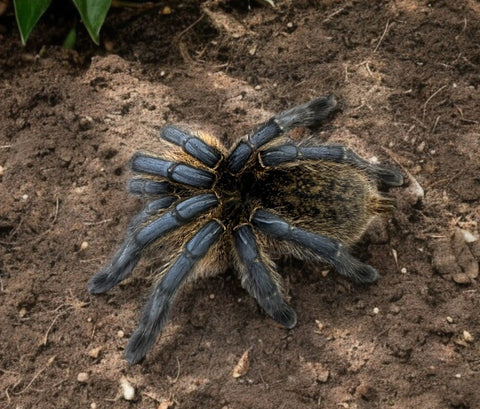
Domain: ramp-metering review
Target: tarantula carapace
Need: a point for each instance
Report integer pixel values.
(210, 208)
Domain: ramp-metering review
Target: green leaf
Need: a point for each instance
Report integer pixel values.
(27, 13)
(70, 39)
(93, 13)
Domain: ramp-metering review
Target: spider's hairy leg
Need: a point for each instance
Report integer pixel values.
(308, 114)
(158, 307)
(257, 278)
(193, 145)
(178, 172)
(332, 251)
(142, 186)
(140, 237)
(278, 155)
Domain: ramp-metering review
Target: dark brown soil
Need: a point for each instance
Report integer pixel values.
(408, 73)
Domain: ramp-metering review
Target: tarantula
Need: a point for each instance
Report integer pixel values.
(210, 208)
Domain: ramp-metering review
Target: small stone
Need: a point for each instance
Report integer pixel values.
(93, 405)
(2, 170)
(458, 375)
(394, 309)
(421, 147)
(461, 278)
(22, 312)
(128, 391)
(82, 377)
(95, 352)
(403, 270)
(24, 197)
(84, 245)
(319, 325)
(449, 320)
(467, 336)
(467, 236)
(376, 310)
(166, 11)
(120, 334)
(211, 296)
(242, 366)
(85, 123)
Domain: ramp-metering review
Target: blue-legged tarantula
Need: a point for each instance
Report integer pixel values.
(211, 208)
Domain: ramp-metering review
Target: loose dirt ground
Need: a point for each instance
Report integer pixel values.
(408, 73)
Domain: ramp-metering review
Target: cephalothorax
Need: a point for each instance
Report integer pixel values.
(210, 208)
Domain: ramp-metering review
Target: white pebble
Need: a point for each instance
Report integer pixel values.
(84, 245)
(24, 197)
(403, 270)
(467, 236)
(93, 405)
(458, 375)
(128, 391)
(450, 320)
(120, 334)
(467, 336)
(82, 377)
(2, 169)
(376, 310)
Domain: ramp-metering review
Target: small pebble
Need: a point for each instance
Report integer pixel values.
(376, 310)
(166, 11)
(84, 245)
(458, 375)
(24, 197)
(319, 325)
(82, 377)
(467, 336)
(2, 170)
(211, 296)
(93, 405)
(120, 334)
(449, 320)
(461, 278)
(403, 270)
(95, 352)
(22, 312)
(128, 391)
(421, 147)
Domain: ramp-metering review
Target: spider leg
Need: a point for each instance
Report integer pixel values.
(127, 257)
(332, 251)
(278, 155)
(257, 278)
(192, 145)
(309, 114)
(158, 307)
(139, 186)
(173, 171)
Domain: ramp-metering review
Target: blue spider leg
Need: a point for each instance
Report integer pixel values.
(258, 281)
(157, 310)
(173, 171)
(139, 186)
(193, 145)
(278, 155)
(127, 257)
(308, 114)
(332, 251)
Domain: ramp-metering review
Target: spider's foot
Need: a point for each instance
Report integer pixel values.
(354, 269)
(286, 317)
(101, 282)
(138, 346)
